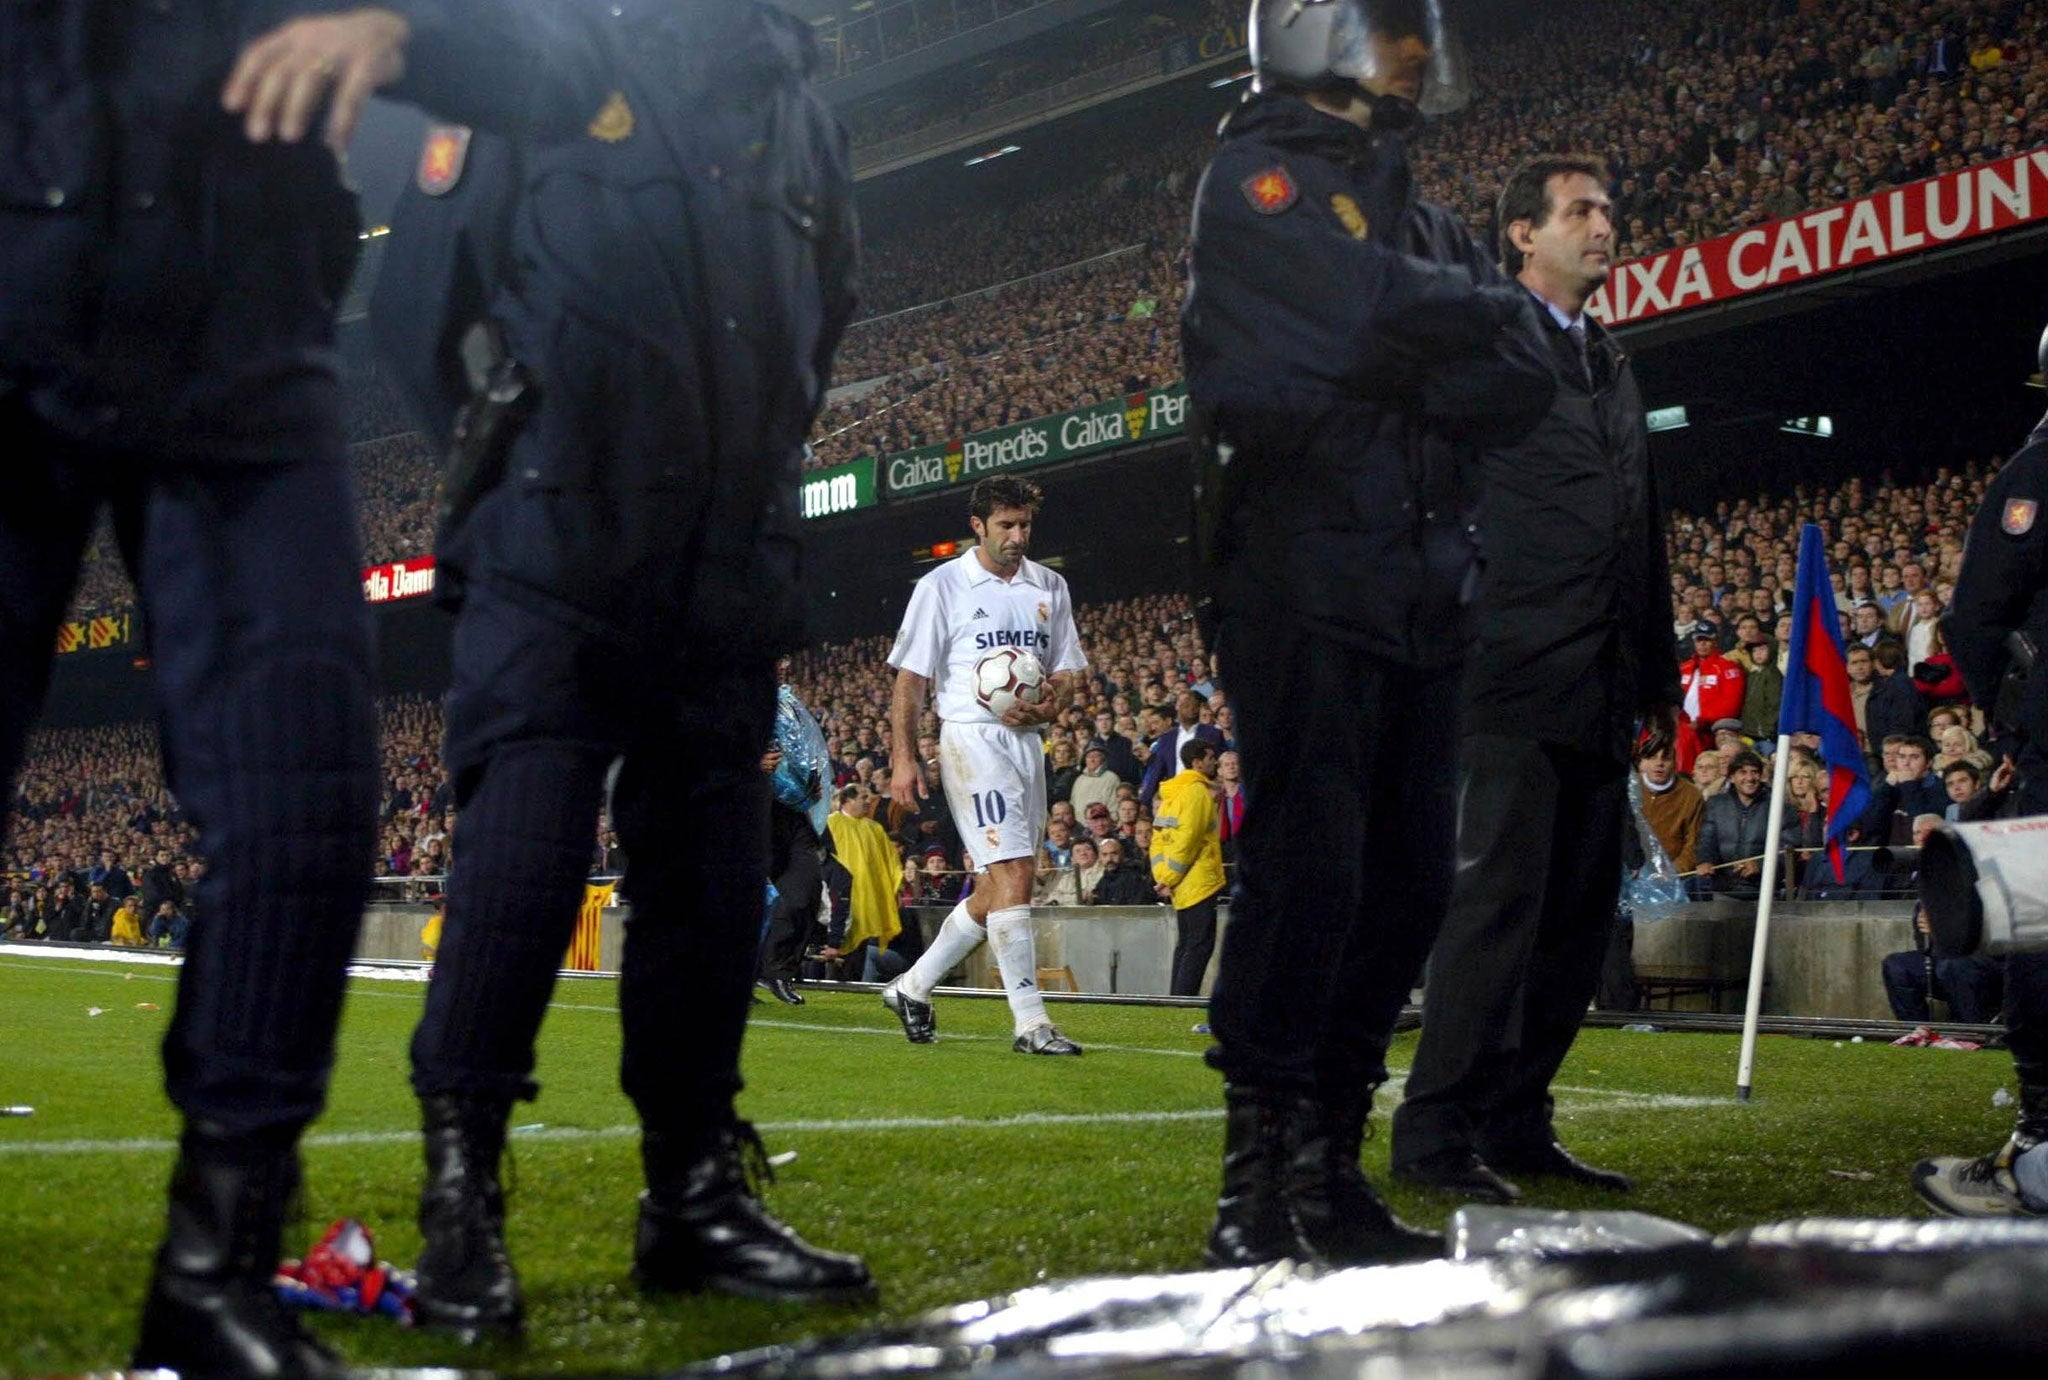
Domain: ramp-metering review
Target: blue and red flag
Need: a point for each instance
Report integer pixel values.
(1817, 692)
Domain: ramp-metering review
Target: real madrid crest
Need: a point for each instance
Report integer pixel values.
(1044, 614)
(1348, 212)
(442, 158)
(614, 123)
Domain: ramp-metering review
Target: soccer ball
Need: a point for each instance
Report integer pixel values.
(1004, 677)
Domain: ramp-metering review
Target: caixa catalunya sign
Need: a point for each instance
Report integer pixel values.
(1912, 219)
(383, 584)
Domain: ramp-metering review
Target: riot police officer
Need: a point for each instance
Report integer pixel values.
(644, 250)
(1346, 344)
(1998, 618)
(167, 291)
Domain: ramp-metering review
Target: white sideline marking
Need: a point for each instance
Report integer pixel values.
(1615, 1100)
(155, 1145)
(1636, 1100)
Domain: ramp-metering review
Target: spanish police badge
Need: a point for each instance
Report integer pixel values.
(2018, 518)
(442, 158)
(1348, 212)
(614, 123)
(1270, 192)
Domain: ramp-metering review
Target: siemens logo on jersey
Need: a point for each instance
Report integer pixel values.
(989, 641)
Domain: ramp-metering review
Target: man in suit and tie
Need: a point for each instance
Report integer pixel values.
(1572, 657)
(1165, 758)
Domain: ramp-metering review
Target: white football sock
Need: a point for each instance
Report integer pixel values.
(1009, 934)
(956, 939)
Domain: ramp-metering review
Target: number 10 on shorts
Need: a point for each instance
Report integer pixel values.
(989, 808)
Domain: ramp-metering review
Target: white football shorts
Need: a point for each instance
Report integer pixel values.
(995, 785)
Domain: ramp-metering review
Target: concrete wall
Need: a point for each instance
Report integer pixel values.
(392, 932)
(1822, 961)
(1823, 958)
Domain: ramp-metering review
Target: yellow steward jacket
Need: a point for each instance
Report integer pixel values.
(1187, 852)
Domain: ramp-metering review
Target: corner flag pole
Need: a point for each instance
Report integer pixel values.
(1774, 830)
(1816, 700)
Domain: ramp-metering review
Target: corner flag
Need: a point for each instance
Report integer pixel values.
(1817, 692)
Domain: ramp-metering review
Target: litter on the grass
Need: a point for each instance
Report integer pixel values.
(1927, 1037)
(343, 1275)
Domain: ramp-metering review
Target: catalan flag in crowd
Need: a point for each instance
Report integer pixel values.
(1817, 692)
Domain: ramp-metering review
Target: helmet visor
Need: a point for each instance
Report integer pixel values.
(1404, 48)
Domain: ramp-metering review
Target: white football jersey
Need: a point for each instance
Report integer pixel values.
(959, 613)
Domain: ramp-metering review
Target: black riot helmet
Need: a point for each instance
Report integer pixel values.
(1402, 54)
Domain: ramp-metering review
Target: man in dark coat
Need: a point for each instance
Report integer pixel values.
(1573, 653)
(1346, 344)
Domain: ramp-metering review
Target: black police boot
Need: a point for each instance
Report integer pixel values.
(212, 1313)
(1253, 1224)
(1336, 1209)
(703, 1226)
(467, 1285)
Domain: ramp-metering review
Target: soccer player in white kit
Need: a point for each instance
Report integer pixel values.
(993, 770)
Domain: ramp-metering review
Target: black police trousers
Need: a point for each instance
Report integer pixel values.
(250, 581)
(1344, 865)
(799, 883)
(536, 716)
(1539, 870)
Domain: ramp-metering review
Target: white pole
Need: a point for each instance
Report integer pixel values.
(1774, 830)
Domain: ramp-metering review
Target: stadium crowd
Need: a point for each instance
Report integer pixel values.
(957, 97)
(94, 799)
(1712, 119)
(904, 26)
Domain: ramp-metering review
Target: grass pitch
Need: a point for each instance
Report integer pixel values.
(959, 1170)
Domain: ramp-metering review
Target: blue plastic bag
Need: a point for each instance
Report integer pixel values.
(1653, 891)
(800, 781)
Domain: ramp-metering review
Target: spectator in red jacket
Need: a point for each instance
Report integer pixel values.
(1713, 691)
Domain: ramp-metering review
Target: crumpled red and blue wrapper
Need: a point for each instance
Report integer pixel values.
(343, 1275)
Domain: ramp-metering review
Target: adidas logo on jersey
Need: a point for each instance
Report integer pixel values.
(981, 613)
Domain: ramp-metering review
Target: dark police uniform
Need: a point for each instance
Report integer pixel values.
(1573, 647)
(167, 298)
(674, 210)
(1337, 333)
(2003, 589)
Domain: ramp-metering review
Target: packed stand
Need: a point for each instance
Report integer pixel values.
(92, 809)
(1894, 550)
(1134, 32)
(904, 26)
(1712, 120)
(1071, 340)
(96, 850)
